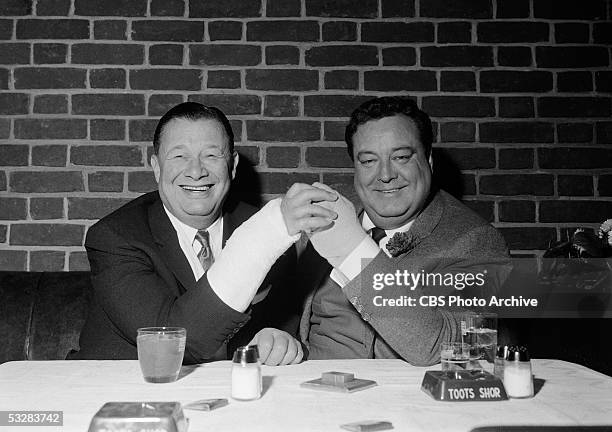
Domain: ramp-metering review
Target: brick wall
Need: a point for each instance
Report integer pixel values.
(520, 91)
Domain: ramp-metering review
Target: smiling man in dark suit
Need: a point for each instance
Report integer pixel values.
(186, 256)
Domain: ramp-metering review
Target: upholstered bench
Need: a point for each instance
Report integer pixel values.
(41, 314)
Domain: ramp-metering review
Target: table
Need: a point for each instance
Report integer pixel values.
(571, 395)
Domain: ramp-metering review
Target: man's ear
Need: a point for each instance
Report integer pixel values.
(431, 165)
(234, 164)
(155, 166)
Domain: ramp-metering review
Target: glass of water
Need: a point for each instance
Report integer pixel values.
(480, 333)
(454, 356)
(160, 352)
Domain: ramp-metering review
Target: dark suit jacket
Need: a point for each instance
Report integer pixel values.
(447, 237)
(141, 278)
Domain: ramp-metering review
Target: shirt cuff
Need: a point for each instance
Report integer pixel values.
(352, 264)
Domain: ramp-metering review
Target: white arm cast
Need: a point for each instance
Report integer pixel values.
(248, 255)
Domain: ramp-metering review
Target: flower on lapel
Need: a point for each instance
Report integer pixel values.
(400, 243)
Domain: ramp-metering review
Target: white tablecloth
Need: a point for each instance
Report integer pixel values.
(571, 395)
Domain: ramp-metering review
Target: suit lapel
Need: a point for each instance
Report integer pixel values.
(229, 225)
(166, 238)
(427, 221)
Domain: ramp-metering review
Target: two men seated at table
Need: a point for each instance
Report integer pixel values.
(183, 256)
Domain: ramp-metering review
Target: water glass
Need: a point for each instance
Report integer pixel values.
(480, 333)
(160, 352)
(454, 356)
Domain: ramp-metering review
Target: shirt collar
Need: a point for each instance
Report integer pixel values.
(215, 230)
(367, 224)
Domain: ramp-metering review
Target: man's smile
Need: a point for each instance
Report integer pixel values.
(203, 188)
(390, 191)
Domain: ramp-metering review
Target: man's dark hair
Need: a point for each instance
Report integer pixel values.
(193, 111)
(390, 106)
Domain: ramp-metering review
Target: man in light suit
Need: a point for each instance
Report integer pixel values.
(389, 140)
(185, 256)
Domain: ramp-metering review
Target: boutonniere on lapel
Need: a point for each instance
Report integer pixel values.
(401, 243)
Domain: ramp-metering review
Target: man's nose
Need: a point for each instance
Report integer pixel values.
(386, 172)
(196, 169)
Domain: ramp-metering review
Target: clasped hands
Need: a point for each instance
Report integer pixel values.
(327, 217)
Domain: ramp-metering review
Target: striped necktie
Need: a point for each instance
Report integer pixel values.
(205, 255)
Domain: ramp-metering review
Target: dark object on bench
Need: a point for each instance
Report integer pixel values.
(41, 314)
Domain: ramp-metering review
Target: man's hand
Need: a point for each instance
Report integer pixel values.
(277, 348)
(300, 211)
(340, 238)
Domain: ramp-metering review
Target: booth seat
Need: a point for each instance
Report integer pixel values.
(42, 313)
(41, 316)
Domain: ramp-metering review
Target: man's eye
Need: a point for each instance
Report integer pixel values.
(402, 158)
(367, 162)
(176, 156)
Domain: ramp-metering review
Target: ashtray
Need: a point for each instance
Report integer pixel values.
(463, 386)
(339, 382)
(139, 417)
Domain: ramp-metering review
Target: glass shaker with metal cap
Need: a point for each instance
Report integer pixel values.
(518, 380)
(246, 373)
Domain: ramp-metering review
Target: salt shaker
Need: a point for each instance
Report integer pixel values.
(518, 380)
(246, 373)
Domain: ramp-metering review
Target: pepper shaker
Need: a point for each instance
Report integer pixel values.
(518, 380)
(246, 374)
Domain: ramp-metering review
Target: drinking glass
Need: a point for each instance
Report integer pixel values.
(454, 356)
(480, 333)
(160, 352)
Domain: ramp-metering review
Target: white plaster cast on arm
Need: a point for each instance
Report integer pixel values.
(248, 255)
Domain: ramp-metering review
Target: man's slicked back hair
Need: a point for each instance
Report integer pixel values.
(389, 106)
(193, 111)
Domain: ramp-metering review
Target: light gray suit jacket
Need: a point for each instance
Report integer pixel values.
(448, 236)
